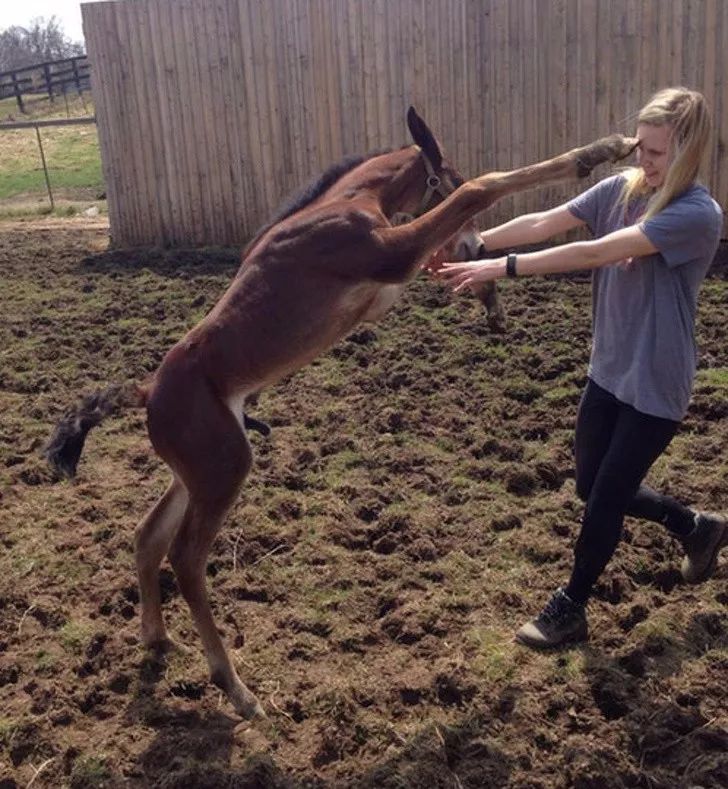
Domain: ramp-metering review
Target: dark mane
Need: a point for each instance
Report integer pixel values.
(313, 189)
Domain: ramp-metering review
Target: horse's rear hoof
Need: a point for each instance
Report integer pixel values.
(250, 709)
(244, 702)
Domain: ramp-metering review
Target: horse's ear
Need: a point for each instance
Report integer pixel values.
(422, 135)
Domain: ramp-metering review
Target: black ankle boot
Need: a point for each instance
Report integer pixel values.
(702, 546)
(561, 621)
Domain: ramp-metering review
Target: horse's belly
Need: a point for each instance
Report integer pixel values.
(374, 300)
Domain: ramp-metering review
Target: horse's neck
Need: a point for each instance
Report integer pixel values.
(390, 178)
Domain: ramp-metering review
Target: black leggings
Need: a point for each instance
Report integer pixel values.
(615, 446)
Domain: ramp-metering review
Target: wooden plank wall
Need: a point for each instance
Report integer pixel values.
(211, 111)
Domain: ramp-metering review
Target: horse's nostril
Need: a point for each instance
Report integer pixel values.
(481, 252)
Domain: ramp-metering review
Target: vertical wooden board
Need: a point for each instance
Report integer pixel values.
(339, 86)
(94, 20)
(628, 96)
(573, 74)
(354, 126)
(111, 44)
(179, 130)
(450, 62)
(721, 116)
(710, 23)
(471, 116)
(664, 61)
(224, 116)
(256, 171)
(294, 91)
(124, 174)
(558, 89)
(172, 24)
(129, 174)
(180, 19)
(242, 121)
(431, 106)
(515, 97)
(270, 81)
(209, 75)
(492, 98)
(645, 35)
(604, 68)
(588, 43)
(281, 25)
(143, 190)
(174, 162)
(405, 43)
(695, 43)
(676, 47)
(155, 103)
(210, 64)
(152, 186)
(333, 81)
(383, 138)
(365, 29)
(419, 42)
(517, 54)
(389, 78)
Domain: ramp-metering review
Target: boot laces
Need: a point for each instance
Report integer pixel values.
(557, 608)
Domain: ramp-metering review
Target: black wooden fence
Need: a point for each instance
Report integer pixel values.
(55, 77)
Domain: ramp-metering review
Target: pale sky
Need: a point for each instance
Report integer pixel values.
(68, 13)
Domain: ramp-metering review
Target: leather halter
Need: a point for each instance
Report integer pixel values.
(434, 183)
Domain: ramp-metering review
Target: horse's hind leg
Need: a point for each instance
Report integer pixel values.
(152, 539)
(222, 461)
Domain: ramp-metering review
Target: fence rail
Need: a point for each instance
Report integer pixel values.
(210, 113)
(50, 77)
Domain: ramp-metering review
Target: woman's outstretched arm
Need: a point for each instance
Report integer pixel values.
(622, 245)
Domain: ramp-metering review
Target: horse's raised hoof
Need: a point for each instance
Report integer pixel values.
(608, 149)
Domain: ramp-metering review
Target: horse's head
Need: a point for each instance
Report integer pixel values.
(442, 178)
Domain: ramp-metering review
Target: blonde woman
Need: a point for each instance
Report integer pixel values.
(656, 231)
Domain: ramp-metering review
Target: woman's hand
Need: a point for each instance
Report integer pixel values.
(463, 275)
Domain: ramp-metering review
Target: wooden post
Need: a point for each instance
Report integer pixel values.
(45, 169)
(49, 85)
(18, 92)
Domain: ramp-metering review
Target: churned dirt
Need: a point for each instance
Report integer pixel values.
(413, 506)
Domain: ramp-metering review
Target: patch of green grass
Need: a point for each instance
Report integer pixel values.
(714, 376)
(74, 635)
(89, 771)
(657, 627)
(570, 664)
(45, 662)
(8, 727)
(72, 158)
(494, 658)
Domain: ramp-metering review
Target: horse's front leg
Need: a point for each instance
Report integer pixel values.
(412, 244)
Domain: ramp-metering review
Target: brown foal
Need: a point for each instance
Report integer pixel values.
(339, 256)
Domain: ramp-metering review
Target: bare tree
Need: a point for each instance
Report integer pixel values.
(42, 40)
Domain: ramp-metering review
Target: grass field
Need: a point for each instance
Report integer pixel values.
(414, 505)
(72, 157)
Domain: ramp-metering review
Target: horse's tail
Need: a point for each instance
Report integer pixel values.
(66, 444)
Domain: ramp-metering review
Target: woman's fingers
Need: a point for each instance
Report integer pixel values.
(460, 275)
(448, 270)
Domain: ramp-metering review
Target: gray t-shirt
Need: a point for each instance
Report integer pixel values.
(643, 312)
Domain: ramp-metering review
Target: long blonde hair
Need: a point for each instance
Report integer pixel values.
(686, 113)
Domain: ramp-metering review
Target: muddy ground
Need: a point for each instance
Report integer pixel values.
(413, 506)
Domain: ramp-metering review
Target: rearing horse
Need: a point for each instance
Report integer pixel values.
(331, 260)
